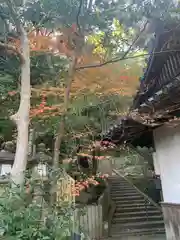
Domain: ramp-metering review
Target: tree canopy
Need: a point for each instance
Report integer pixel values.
(108, 31)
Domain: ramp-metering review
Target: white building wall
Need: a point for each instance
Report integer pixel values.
(167, 143)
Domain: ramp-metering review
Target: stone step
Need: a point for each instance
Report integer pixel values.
(139, 232)
(130, 208)
(122, 203)
(120, 219)
(120, 183)
(129, 197)
(111, 179)
(126, 193)
(122, 193)
(122, 187)
(151, 235)
(134, 215)
(130, 200)
(130, 204)
(114, 189)
(115, 177)
(138, 213)
(137, 225)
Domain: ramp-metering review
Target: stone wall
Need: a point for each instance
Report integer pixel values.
(94, 220)
(105, 166)
(171, 214)
(130, 164)
(90, 222)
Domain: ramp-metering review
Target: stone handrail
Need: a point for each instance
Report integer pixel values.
(138, 190)
(104, 200)
(4, 181)
(108, 207)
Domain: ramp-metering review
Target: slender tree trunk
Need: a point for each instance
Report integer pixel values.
(22, 116)
(61, 129)
(31, 142)
(60, 132)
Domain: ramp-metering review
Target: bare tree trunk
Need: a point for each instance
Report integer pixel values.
(22, 116)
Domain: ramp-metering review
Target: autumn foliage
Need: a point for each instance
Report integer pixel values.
(84, 184)
(106, 80)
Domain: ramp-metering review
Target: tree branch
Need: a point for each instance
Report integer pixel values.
(135, 40)
(78, 14)
(41, 22)
(124, 55)
(13, 49)
(121, 59)
(11, 6)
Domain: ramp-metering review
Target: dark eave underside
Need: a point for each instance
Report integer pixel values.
(163, 107)
(158, 99)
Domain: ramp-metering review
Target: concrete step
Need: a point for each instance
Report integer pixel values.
(127, 219)
(137, 226)
(137, 213)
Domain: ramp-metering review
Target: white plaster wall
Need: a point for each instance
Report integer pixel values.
(156, 164)
(167, 143)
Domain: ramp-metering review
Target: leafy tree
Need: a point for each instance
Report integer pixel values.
(97, 21)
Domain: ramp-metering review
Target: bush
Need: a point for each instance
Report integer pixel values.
(23, 219)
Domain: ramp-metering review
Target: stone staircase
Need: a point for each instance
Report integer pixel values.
(134, 215)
